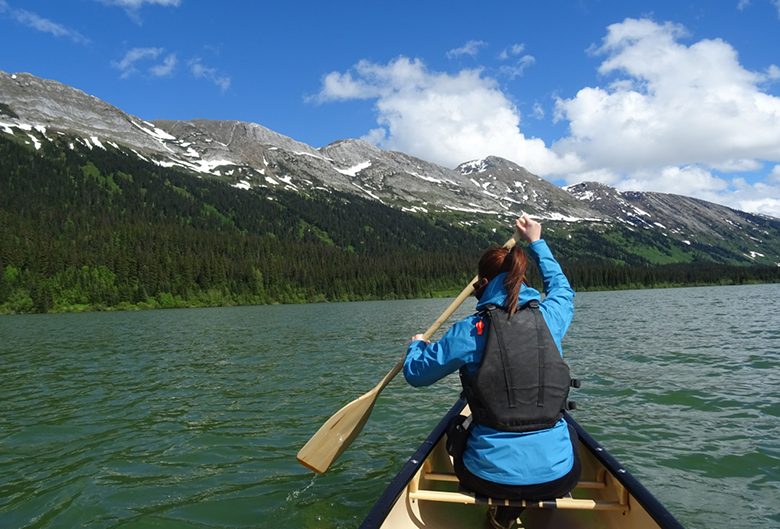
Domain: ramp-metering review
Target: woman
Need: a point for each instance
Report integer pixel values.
(518, 445)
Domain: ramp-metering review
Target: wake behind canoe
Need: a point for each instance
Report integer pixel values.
(425, 494)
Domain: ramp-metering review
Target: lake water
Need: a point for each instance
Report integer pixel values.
(192, 418)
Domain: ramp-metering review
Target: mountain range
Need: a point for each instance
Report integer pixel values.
(654, 228)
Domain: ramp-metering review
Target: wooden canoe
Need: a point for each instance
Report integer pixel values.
(425, 494)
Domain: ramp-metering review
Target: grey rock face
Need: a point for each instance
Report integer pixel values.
(57, 106)
(249, 155)
(678, 216)
(517, 189)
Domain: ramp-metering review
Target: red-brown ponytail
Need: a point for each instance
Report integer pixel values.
(496, 260)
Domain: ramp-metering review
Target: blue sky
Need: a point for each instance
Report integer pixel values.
(680, 97)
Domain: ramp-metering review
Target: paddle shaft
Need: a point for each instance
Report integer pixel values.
(338, 432)
(443, 317)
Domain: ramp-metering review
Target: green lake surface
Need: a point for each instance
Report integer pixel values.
(192, 418)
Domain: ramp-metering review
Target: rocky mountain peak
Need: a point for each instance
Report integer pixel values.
(248, 155)
(591, 191)
(233, 135)
(498, 168)
(51, 104)
(351, 152)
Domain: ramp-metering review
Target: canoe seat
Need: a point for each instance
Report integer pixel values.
(416, 493)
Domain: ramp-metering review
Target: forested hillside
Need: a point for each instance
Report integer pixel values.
(91, 229)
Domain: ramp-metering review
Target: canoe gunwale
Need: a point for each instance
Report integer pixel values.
(378, 513)
(644, 497)
(376, 516)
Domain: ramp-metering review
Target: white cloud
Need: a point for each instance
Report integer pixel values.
(471, 48)
(766, 206)
(668, 116)
(773, 72)
(39, 23)
(165, 68)
(127, 65)
(516, 70)
(512, 51)
(133, 7)
(137, 4)
(342, 87)
(671, 104)
(537, 111)
(760, 197)
(200, 71)
(445, 118)
(519, 60)
(737, 166)
(671, 115)
(687, 180)
(742, 4)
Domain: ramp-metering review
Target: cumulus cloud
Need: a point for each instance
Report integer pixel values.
(201, 71)
(686, 180)
(129, 64)
(671, 104)
(442, 117)
(39, 23)
(671, 114)
(471, 48)
(758, 199)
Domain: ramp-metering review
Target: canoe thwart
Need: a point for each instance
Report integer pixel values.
(559, 503)
(438, 476)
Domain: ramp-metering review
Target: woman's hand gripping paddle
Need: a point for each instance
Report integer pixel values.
(338, 432)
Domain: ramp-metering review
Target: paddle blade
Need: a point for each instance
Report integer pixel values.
(336, 434)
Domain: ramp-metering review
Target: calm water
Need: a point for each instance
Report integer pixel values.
(192, 418)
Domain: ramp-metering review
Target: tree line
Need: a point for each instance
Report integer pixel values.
(86, 230)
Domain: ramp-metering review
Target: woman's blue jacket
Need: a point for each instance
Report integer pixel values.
(508, 458)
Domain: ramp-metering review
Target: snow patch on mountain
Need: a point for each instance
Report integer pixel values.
(96, 142)
(473, 166)
(154, 132)
(355, 169)
(35, 141)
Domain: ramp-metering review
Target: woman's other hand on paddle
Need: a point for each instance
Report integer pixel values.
(529, 228)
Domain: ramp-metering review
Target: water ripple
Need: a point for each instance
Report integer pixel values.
(192, 418)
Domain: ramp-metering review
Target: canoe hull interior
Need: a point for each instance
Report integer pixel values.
(425, 495)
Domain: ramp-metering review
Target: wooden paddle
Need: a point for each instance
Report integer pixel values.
(338, 432)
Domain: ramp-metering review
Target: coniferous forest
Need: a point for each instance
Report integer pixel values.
(94, 229)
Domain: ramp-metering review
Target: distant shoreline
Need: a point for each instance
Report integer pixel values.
(173, 303)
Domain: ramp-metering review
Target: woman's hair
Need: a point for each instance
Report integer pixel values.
(497, 260)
